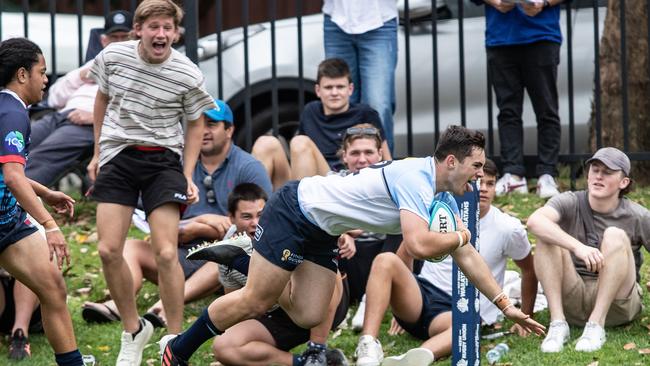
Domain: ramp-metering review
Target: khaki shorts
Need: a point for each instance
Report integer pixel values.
(580, 300)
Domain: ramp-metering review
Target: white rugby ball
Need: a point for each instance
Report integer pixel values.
(442, 220)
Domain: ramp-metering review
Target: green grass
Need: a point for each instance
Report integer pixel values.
(102, 341)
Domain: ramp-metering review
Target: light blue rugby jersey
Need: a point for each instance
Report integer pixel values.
(372, 198)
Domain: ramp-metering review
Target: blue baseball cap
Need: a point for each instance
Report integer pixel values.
(220, 112)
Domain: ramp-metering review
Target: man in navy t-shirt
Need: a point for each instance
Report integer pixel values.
(523, 51)
(323, 124)
(22, 249)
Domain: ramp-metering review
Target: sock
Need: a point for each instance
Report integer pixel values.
(189, 341)
(241, 264)
(298, 360)
(72, 358)
(141, 326)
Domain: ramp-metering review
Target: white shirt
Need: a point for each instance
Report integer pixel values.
(501, 236)
(371, 199)
(360, 16)
(72, 92)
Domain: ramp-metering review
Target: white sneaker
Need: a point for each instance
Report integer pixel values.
(510, 184)
(357, 319)
(592, 339)
(369, 352)
(414, 357)
(163, 342)
(546, 186)
(557, 336)
(132, 347)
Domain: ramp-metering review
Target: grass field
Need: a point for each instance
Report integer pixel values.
(625, 345)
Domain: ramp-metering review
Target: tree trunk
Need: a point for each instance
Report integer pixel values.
(638, 83)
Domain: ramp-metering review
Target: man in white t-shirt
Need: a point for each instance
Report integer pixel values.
(428, 317)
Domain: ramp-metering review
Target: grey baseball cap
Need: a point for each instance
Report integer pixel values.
(613, 158)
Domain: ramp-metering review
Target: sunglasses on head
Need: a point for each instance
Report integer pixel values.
(365, 131)
(209, 190)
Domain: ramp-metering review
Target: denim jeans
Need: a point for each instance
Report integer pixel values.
(532, 67)
(372, 57)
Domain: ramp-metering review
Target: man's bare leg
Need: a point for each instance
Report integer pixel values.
(164, 241)
(26, 302)
(549, 256)
(113, 222)
(269, 151)
(249, 343)
(28, 260)
(306, 159)
(618, 277)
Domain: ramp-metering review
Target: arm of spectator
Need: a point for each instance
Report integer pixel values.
(385, 151)
(99, 110)
(528, 290)
(80, 117)
(193, 138)
(501, 5)
(65, 86)
(543, 223)
(347, 247)
(209, 226)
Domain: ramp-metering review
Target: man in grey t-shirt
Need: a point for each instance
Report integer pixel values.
(589, 265)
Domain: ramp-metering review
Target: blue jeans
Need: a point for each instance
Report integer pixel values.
(372, 57)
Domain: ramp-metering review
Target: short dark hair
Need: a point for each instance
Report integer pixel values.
(333, 68)
(490, 168)
(458, 141)
(245, 192)
(16, 53)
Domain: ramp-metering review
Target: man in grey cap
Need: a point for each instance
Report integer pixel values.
(61, 139)
(588, 253)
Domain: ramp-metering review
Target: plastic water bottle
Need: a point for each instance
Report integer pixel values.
(495, 354)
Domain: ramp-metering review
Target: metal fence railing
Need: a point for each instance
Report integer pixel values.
(266, 71)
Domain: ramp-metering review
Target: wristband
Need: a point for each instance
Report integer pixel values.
(460, 239)
(52, 230)
(498, 296)
(507, 306)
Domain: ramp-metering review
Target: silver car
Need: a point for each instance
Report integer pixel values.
(259, 68)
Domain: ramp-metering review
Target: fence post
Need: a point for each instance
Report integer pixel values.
(191, 35)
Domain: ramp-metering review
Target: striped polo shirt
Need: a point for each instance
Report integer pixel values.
(147, 102)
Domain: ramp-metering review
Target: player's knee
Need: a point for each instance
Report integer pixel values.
(51, 290)
(308, 319)
(225, 351)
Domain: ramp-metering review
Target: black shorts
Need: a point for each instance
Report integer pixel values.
(288, 334)
(8, 316)
(157, 175)
(285, 237)
(13, 232)
(434, 302)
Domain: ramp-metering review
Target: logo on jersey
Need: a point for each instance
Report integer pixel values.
(15, 141)
(258, 232)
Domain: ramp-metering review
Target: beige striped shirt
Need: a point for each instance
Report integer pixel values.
(147, 102)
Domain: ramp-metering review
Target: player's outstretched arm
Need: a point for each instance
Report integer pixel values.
(478, 273)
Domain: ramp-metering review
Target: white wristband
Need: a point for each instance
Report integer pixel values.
(460, 239)
(52, 230)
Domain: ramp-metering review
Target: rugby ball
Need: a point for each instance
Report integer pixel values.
(442, 220)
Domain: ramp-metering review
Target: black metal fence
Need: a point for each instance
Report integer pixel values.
(274, 102)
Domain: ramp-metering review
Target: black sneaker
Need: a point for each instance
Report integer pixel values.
(224, 251)
(314, 356)
(168, 358)
(335, 357)
(19, 348)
